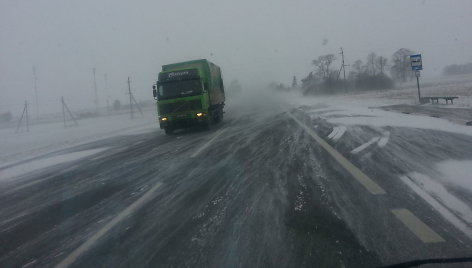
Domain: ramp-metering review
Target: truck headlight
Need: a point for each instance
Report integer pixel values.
(199, 114)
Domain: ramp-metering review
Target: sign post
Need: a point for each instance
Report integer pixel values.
(417, 66)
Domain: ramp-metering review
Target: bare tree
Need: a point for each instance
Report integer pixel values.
(294, 82)
(381, 63)
(401, 69)
(323, 63)
(371, 63)
(357, 69)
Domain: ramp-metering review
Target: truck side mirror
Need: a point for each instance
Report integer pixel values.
(154, 91)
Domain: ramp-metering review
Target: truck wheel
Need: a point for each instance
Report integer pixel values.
(168, 130)
(207, 123)
(219, 116)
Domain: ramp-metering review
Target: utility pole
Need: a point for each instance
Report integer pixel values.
(417, 74)
(35, 79)
(417, 65)
(130, 99)
(24, 114)
(105, 77)
(343, 65)
(95, 90)
(64, 109)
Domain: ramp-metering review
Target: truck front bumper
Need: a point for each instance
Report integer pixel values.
(187, 122)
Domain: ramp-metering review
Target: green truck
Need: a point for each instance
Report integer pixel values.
(189, 94)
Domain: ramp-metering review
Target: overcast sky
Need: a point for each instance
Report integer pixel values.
(254, 41)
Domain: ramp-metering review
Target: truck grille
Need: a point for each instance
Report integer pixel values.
(181, 106)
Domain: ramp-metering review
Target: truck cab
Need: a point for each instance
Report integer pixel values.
(189, 94)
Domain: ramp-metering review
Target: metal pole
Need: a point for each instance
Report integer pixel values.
(21, 119)
(344, 69)
(70, 113)
(35, 79)
(27, 119)
(130, 99)
(418, 83)
(95, 90)
(105, 76)
(63, 111)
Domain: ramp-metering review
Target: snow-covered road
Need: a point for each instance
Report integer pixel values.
(283, 182)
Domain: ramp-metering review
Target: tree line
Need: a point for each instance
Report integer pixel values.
(455, 69)
(376, 72)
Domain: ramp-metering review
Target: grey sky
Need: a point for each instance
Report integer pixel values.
(254, 41)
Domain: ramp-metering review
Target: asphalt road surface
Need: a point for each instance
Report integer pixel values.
(265, 188)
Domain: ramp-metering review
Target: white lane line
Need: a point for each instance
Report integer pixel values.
(369, 184)
(338, 133)
(419, 228)
(208, 143)
(445, 212)
(384, 140)
(365, 145)
(333, 133)
(92, 240)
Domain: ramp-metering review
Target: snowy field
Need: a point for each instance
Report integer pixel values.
(460, 86)
(49, 137)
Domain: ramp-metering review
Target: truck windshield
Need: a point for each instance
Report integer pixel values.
(176, 89)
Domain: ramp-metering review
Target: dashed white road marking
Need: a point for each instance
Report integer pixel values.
(333, 132)
(381, 142)
(384, 140)
(365, 145)
(419, 228)
(92, 240)
(337, 133)
(208, 143)
(368, 183)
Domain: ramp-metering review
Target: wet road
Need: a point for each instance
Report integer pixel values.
(258, 190)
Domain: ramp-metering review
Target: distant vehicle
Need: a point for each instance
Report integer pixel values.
(189, 94)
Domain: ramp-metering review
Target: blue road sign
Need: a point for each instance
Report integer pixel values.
(416, 63)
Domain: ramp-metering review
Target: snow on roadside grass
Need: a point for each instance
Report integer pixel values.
(45, 138)
(379, 118)
(345, 110)
(45, 162)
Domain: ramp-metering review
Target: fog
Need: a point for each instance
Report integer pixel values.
(256, 42)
